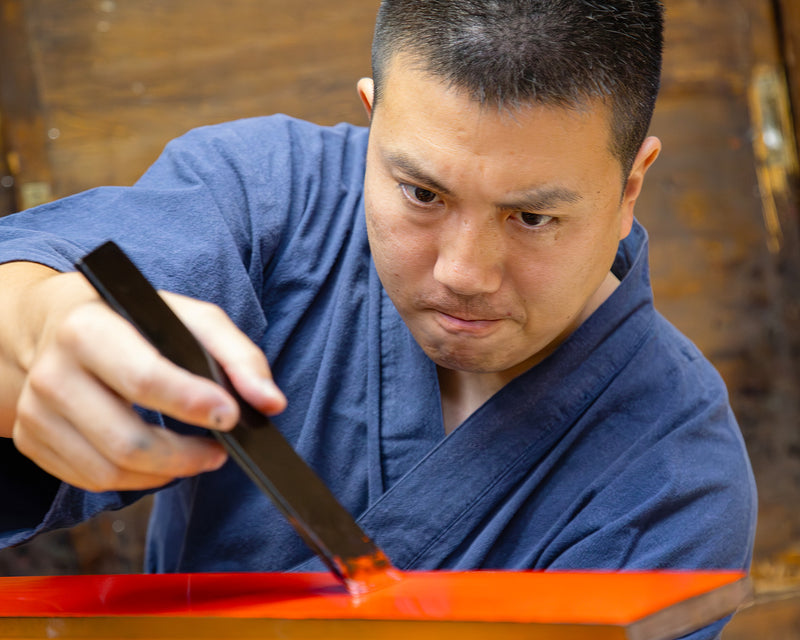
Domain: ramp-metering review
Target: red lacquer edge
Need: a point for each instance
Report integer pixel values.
(486, 596)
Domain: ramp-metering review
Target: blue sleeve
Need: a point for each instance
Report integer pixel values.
(207, 220)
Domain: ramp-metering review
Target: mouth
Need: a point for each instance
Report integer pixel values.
(472, 325)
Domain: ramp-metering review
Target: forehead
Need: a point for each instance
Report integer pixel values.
(420, 114)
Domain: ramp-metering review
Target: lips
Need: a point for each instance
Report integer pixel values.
(472, 325)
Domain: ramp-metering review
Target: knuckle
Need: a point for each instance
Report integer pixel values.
(74, 328)
(24, 441)
(191, 407)
(138, 383)
(125, 450)
(141, 381)
(25, 415)
(20, 437)
(44, 381)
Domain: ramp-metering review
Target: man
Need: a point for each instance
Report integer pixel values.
(455, 307)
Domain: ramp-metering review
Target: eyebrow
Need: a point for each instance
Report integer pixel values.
(412, 170)
(542, 199)
(534, 199)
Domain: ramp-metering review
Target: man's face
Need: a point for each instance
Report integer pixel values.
(493, 233)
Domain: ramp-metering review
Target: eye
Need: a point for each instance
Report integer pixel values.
(419, 195)
(534, 220)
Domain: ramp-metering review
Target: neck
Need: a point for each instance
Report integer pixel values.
(463, 392)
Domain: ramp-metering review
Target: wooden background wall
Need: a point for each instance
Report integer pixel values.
(95, 88)
(91, 90)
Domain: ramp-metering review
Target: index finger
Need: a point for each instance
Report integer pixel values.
(243, 361)
(116, 353)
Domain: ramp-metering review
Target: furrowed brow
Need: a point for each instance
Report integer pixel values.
(543, 199)
(536, 199)
(410, 168)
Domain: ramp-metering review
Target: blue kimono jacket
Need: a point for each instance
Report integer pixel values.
(618, 451)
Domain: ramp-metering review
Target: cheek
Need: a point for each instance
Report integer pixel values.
(558, 279)
(385, 235)
(398, 250)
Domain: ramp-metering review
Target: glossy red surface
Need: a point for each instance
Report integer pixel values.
(526, 597)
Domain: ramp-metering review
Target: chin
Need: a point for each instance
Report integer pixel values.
(468, 362)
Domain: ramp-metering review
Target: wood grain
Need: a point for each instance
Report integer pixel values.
(120, 79)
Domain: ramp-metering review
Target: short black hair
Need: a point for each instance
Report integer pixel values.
(507, 53)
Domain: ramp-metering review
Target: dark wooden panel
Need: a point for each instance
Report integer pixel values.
(119, 79)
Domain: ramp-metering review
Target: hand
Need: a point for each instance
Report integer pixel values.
(74, 415)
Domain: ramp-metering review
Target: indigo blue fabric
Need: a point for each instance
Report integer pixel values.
(618, 451)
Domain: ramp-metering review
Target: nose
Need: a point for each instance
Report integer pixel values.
(470, 258)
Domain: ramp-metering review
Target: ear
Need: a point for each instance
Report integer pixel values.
(646, 156)
(366, 91)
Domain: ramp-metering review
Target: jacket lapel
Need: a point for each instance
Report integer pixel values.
(456, 483)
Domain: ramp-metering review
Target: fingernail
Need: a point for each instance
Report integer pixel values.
(222, 417)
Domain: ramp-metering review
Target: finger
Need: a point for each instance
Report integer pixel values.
(61, 450)
(243, 361)
(111, 349)
(74, 461)
(109, 425)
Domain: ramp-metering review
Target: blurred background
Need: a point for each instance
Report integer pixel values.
(91, 90)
